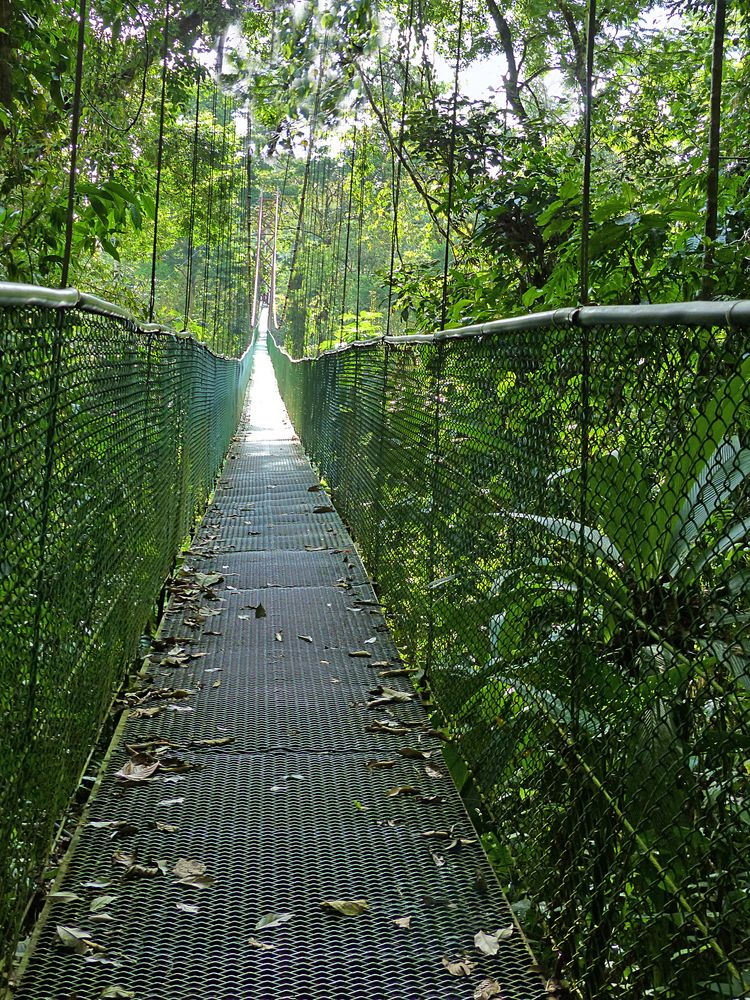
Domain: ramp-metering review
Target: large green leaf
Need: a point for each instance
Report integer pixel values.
(573, 532)
(726, 469)
(710, 426)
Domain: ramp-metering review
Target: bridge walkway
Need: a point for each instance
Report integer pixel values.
(271, 784)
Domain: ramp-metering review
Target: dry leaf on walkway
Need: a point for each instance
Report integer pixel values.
(118, 992)
(376, 765)
(489, 944)
(432, 772)
(221, 741)
(64, 897)
(185, 868)
(412, 753)
(279, 637)
(186, 908)
(459, 966)
(119, 827)
(216, 684)
(136, 871)
(404, 922)
(324, 509)
(137, 770)
(163, 827)
(314, 489)
(101, 903)
(147, 713)
(402, 791)
(488, 989)
(305, 638)
(261, 945)
(170, 802)
(197, 881)
(272, 920)
(346, 907)
(77, 940)
(360, 653)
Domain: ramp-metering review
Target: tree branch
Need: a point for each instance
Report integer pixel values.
(511, 78)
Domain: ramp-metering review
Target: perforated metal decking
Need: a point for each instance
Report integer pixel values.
(287, 814)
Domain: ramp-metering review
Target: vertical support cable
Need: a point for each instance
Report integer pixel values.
(159, 159)
(399, 163)
(74, 133)
(451, 170)
(586, 192)
(437, 393)
(714, 137)
(193, 193)
(348, 233)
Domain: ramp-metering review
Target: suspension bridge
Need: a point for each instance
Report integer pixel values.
(341, 661)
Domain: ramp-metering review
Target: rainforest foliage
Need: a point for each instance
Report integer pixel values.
(348, 109)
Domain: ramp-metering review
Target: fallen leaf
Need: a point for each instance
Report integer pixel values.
(413, 754)
(185, 868)
(63, 897)
(180, 708)
(208, 579)
(216, 684)
(360, 654)
(346, 907)
(197, 881)
(186, 908)
(316, 548)
(279, 637)
(324, 509)
(376, 765)
(314, 489)
(305, 638)
(117, 991)
(438, 859)
(137, 769)
(260, 611)
(272, 920)
(459, 966)
(163, 827)
(101, 903)
(372, 639)
(402, 922)
(170, 802)
(77, 940)
(221, 741)
(147, 712)
(402, 791)
(262, 945)
(101, 917)
(137, 871)
(489, 944)
(488, 989)
(123, 858)
(432, 772)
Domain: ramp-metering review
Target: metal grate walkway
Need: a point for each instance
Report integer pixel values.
(263, 800)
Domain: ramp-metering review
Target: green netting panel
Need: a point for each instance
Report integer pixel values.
(557, 519)
(110, 442)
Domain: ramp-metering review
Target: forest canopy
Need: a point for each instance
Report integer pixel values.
(348, 109)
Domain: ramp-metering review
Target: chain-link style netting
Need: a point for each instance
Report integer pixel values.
(111, 438)
(557, 521)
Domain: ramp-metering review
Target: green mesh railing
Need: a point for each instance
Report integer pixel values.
(556, 513)
(111, 437)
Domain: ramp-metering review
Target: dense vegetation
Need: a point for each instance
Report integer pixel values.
(347, 108)
(565, 522)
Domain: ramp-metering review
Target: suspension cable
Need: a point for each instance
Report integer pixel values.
(395, 249)
(74, 133)
(363, 161)
(193, 197)
(451, 169)
(348, 232)
(159, 159)
(586, 192)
